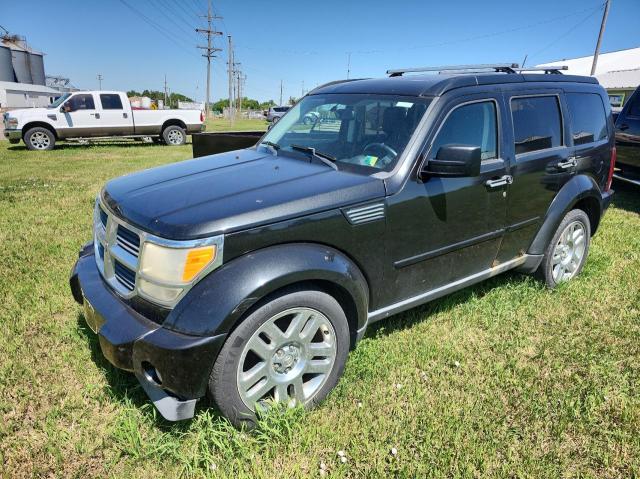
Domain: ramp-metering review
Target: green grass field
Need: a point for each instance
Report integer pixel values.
(504, 379)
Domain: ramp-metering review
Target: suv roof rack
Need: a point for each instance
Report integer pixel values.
(482, 68)
(496, 67)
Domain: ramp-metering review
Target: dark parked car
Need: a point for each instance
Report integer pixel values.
(248, 276)
(628, 141)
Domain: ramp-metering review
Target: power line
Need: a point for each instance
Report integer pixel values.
(164, 9)
(210, 51)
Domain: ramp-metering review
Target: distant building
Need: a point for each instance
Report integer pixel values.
(22, 77)
(618, 72)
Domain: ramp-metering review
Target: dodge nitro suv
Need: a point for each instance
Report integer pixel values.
(247, 276)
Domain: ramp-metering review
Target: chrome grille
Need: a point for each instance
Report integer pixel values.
(128, 240)
(117, 247)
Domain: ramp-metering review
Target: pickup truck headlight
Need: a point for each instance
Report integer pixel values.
(11, 123)
(167, 270)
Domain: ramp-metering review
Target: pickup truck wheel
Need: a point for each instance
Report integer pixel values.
(39, 138)
(174, 135)
(567, 252)
(292, 349)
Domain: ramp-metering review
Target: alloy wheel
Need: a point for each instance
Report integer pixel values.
(569, 252)
(288, 359)
(40, 140)
(175, 137)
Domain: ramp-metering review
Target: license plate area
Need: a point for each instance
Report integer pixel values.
(92, 317)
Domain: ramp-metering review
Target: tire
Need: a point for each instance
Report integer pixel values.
(284, 368)
(275, 120)
(174, 135)
(567, 251)
(39, 139)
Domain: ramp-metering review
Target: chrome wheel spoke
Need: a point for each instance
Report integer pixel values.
(258, 391)
(281, 393)
(250, 377)
(298, 390)
(324, 350)
(319, 366)
(261, 348)
(297, 323)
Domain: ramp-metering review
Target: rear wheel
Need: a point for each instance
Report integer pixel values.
(39, 138)
(174, 135)
(567, 252)
(292, 350)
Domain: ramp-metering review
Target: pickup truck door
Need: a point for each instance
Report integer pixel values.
(115, 114)
(442, 229)
(628, 133)
(79, 117)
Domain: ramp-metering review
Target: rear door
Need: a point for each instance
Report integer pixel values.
(79, 117)
(541, 163)
(115, 119)
(628, 133)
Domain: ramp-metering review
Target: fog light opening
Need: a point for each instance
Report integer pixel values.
(151, 373)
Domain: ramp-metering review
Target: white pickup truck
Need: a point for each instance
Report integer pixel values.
(98, 114)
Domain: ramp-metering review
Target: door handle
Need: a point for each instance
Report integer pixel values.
(565, 165)
(623, 127)
(97, 115)
(124, 115)
(498, 182)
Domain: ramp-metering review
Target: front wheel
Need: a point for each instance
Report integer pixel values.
(174, 135)
(292, 350)
(566, 254)
(39, 138)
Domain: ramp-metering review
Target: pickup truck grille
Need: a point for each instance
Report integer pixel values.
(117, 247)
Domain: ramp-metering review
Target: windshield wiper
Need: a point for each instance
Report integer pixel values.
(323, 157)
(273, 145)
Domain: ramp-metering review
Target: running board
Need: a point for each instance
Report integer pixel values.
(443, 290)
(627, 180)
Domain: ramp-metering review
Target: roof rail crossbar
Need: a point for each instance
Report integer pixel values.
(547, 69)
(497, 67)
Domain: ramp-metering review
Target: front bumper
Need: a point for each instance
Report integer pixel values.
(13, 134)
(173, 368)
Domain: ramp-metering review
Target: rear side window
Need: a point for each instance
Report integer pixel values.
(82, 102)
(537, 123)
(588, 120)
(110, 101)
(470, 125)
(634, 108)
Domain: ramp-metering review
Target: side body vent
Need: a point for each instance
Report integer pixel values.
(365, 214)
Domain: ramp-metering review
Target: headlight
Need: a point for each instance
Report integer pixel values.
(168, 269)
(11, 123)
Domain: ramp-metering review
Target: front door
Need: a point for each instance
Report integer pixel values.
(79, 117)
(444, 229)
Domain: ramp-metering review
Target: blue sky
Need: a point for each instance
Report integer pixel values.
(304, 43)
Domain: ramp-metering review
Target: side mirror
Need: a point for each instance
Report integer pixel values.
(66, 108)
(454, 161)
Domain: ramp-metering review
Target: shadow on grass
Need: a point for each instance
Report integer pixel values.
(422, 313)
(96, 144)
(125, 389)
(626, 196)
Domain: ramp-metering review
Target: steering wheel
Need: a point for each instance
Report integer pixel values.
(387, 148)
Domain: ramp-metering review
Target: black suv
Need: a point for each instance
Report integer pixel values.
(627, 128)
(247, 276)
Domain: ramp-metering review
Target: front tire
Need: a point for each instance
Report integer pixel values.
(174, 135)
(291, 349)
(567, 251)
(39, 139)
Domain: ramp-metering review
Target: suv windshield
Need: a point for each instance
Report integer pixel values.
(357, 129)
(59, 101)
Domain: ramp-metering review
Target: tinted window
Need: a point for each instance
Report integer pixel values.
(281, 109)
(634, 108)
(537, 124)
(82, 102)
(588, 120)
(110, 101)
(470, 125)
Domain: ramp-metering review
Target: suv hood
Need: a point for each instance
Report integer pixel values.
(232, 191)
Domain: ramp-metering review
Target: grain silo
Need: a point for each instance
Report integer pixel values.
(36, 65)
(6, 66)
(21, 65)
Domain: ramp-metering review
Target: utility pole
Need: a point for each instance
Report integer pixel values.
(348, 64)
(602, 25)
(280, 104)
(210, 32)
(100, 78)
(230, 73)
(165, 90)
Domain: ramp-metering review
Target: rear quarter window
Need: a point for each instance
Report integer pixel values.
(588, 117)
(537, 123)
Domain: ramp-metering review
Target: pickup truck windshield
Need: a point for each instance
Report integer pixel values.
(358, 129)
(59, 101)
